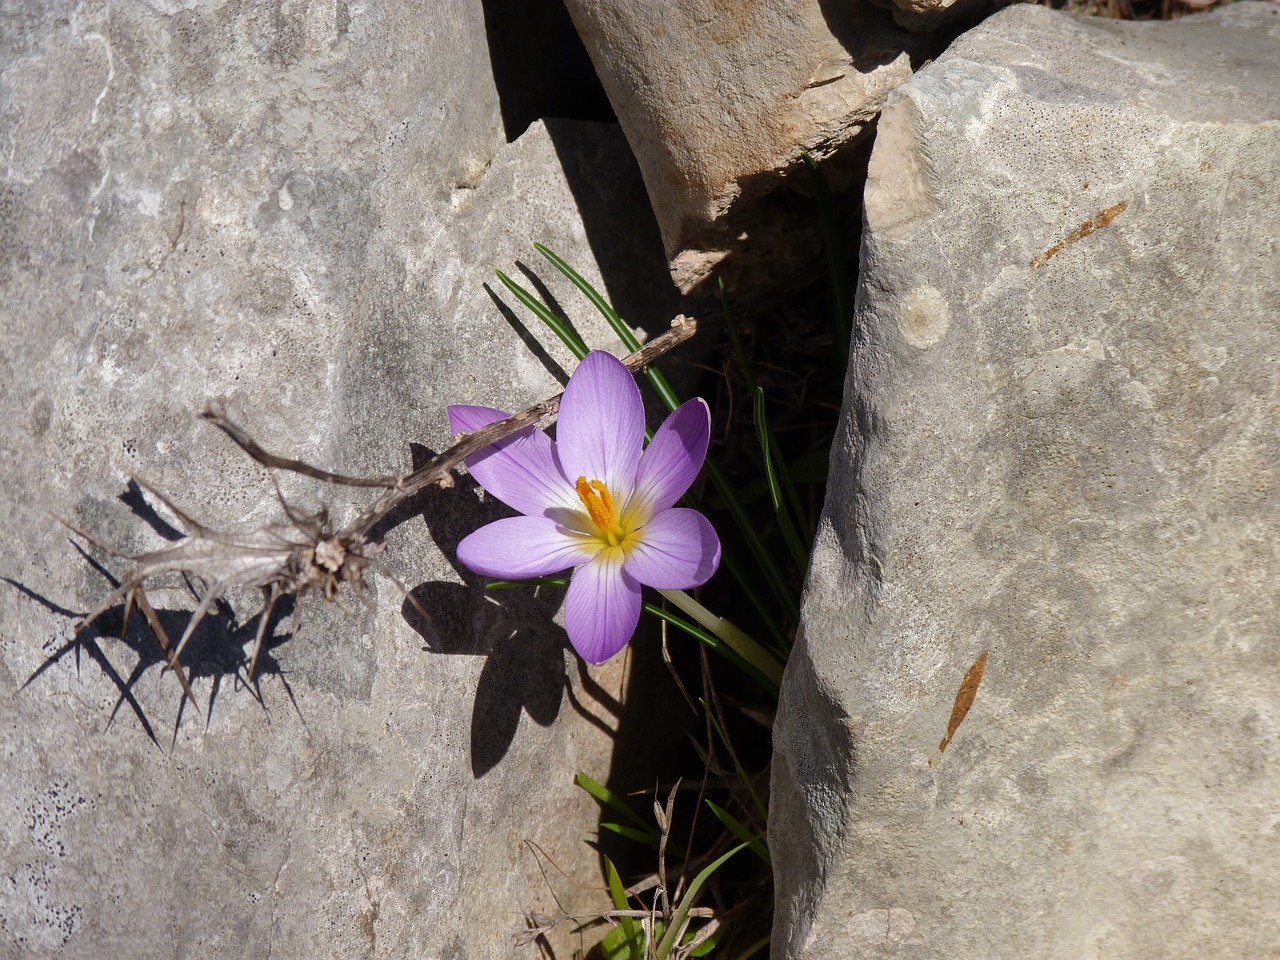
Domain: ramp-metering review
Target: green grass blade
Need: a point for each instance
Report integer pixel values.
(561, 329)
(735, 338)
(611, 316)
(709, 944)
(597, 299)
(787, 475)
(534, 582)
(610, 799)
(737, 764)
(752, 840)
(799, 552)
(686, 902)
(615, 945)
(750, 585)
(755, 948)
(730, 562)
(737, 639)
(716, 644)
(650, 838)
(663, 389)
(632, 932)
(775, 465)
(748, 527)
(564, 582)
(837, 280)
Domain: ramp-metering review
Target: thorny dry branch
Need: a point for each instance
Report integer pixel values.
(306, 553)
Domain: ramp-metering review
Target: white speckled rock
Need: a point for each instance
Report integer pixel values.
(718, 101)
(1059, 448)
(294, 207)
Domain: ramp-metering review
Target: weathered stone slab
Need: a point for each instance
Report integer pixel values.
(1059, 451)
(719, 100)
(293, 207)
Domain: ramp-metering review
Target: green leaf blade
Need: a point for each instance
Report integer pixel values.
(632, 931)
(753, 841)
(649, 838)
(681, 913)
(608, 798)
(558, 326)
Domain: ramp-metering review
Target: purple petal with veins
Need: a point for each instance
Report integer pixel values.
(637, 535)
(678, 549)
(600, 432)
(601, 608)
(521, 470)
(673, 458)
(520, 547)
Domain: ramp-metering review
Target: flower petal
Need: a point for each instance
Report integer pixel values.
(678, 549)
(465, 418)
(521, 470)
(600, 432)
(520, 547)
(672, 460)
(601, 608)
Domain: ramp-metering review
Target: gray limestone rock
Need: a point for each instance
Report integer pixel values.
(719, 100)
(1059, 452)
(294, 207)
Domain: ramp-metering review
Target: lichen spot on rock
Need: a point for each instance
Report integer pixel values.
(924, 317)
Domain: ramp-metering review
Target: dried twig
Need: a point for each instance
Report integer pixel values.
(305, 554)
(664, 817)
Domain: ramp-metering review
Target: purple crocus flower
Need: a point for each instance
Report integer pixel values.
(597, 500)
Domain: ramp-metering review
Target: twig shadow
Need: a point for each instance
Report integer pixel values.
(218, 648)
(136, 501)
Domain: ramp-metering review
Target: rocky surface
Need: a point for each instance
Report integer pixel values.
(1049, 543)
(294, 207)
(718, 118)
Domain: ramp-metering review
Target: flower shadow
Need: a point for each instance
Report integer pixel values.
(524, 668)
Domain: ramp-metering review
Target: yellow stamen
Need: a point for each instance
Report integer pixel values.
(596, 498)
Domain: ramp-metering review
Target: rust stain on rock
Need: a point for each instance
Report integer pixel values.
(964, 698)
(1103, 219)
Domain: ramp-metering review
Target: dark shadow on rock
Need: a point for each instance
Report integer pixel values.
(542, 72)
(219, 648)
(540, 67)
(787, 201)
(652, 745)
(872, 37)
(136, 501)
(86, 642)
(621, 229)
(513, 630)
(853, 23)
